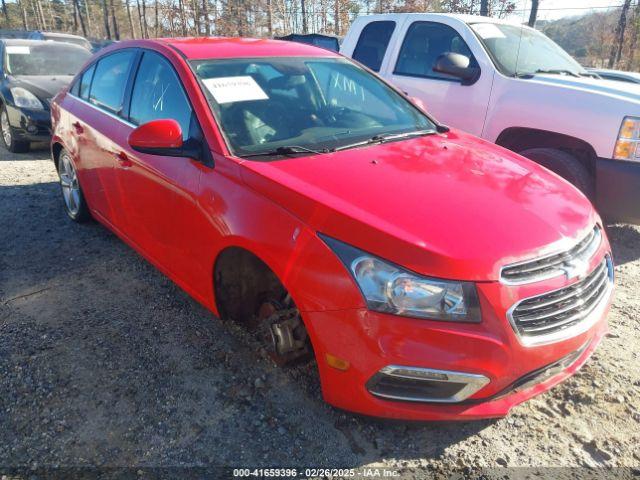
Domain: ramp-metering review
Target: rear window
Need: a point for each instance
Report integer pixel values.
(373, 43)
(85, 83)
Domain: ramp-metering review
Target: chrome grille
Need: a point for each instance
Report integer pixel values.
(553, 265)
(563, 313)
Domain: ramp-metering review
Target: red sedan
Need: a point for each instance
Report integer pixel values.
(433, 275)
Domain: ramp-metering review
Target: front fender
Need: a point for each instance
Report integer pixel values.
(591, 116)
(241, 217)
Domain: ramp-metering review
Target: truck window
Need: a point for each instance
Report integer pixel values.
(373, 43)
(423, 44)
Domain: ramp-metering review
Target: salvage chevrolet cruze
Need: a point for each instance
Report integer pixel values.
(433, 275)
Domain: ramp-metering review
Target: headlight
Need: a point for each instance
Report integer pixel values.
(628, 140)
(25, 99)
(389, 288)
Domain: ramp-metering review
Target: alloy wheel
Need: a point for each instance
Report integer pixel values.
(6, 128)
(69, 184)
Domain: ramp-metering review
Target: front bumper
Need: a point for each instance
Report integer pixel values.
(30, 125)
(371, 341)
(618, 190)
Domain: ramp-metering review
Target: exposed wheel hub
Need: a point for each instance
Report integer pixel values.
(283, 333)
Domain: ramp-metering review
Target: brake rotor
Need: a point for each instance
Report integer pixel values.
(282, 332)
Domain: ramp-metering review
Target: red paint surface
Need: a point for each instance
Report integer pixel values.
(164, 133)
(447, 205)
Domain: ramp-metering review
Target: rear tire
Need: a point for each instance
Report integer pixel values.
(74, 203)
(8, 137)
(565, 165)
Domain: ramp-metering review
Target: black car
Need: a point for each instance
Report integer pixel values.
(327, 42)
(33, 71)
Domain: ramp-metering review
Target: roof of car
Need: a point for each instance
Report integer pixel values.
(464, 18)
(60, 35)
(26, 42)
(224, 47)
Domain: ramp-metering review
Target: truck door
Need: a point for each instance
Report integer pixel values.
(410, 64)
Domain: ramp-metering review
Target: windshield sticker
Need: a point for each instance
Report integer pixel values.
(488, 30)
(18, 49)
(234, 89)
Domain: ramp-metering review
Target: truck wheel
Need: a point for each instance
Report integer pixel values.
(565, 165)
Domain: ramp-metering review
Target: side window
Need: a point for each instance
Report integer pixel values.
(424, 43)
(75, 88)
(110, 80)
(158, 93)
(373, 43)
(85, 83)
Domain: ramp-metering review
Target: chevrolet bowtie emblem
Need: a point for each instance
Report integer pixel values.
(574, 268)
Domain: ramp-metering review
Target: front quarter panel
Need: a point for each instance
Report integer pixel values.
(237, 216)
(580, 113)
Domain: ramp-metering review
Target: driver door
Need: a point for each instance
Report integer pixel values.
(157, 192)
(410, 68)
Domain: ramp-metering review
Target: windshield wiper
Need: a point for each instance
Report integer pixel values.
(287, 150)
(527, 75)
(389, 137)
(558, 71)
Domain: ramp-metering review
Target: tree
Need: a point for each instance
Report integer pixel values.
(76, 7)
(205, 15)
(5, 12)
(484, 8)
(534, 13)
(116, 30)
(105, 18)
(303, 9)
(23, 12)
(492, 8)
(616, 48)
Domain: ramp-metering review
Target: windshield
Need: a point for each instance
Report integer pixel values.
(36, 59)
(522, 51)
(314, 103)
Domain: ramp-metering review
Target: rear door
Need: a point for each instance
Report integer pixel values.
(410, 67)
(372, 42)
(98, 128)
(157, 192)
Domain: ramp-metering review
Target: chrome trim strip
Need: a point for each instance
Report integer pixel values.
(473, 381)
(590, 318)
(583, 255)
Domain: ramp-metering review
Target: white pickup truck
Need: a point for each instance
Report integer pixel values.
(513, 86)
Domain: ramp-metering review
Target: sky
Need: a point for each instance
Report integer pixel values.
(554, 9)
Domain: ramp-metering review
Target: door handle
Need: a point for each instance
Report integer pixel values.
(78, 127)
(123, 159)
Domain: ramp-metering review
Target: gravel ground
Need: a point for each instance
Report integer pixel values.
(105, 362)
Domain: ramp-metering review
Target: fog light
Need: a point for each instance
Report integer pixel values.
(416, 384)
(32, 128)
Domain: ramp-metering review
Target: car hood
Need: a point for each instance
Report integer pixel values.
(44, 87)
(611, 88)
(451, 206)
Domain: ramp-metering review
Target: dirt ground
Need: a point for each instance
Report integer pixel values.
(105, 362)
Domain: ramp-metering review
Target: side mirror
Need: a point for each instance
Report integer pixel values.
(158, 137)
(458, 66)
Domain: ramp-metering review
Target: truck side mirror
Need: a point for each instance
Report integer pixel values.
(457, 65)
